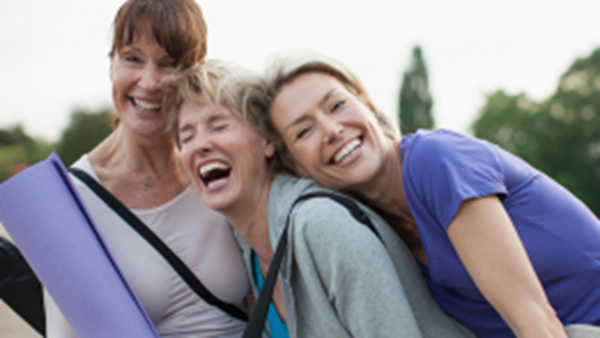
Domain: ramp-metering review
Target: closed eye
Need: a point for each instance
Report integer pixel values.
(186, 133)
(219, 127)
(302, 132)
(185, 138)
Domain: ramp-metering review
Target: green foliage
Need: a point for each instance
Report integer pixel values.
(85, 130)
(18, 150)
(415, 99)
(11, 156)
(560, 136)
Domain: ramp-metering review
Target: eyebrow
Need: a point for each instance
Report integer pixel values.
(303, 116)
(185, 127)
(216, 116)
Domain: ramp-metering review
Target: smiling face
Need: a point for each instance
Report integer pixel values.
(330, 132)
(226, 159)
(137, 70)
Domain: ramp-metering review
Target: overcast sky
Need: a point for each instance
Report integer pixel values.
(54, 53)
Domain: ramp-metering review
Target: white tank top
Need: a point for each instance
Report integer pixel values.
(200, 237)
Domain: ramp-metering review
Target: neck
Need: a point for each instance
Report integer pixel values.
(125, 161)
(151, 153)
(386, 191)
(250, 219)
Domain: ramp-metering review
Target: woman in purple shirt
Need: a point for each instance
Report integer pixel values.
(504, 248)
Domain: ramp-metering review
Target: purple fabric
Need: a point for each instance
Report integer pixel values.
(560, 234)
(44, 215)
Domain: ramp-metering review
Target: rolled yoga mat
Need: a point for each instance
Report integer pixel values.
(43, 213)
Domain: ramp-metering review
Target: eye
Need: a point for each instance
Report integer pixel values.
(185, 138)
(170, 64)
(337, 105)
(219, 127)
(302, 132)
(131, 58)
(186, 134)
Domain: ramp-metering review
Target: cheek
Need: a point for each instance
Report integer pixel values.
(121, 79)
(187, 158)
(306, 155)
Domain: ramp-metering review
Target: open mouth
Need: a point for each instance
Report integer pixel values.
(214, 173)
(146, 106)
(347, 151)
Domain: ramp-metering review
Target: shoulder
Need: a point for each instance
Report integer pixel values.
(430, 147)
(429, 153)
(322, 221)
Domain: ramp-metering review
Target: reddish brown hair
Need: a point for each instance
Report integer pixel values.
(177, 25)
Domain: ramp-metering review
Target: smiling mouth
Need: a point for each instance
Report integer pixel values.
(214, 173)
(146, 106)
(348, 150)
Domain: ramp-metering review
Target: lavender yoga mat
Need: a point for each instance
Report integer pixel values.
(43, 213)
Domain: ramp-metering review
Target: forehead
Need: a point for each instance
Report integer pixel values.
(305, 89)
(200, 111)
(313, 82)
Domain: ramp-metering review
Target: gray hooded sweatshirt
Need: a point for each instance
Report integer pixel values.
(339, 279)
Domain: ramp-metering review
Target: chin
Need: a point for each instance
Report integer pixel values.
(219, 202)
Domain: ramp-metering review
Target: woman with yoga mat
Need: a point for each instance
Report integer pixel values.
(139, 164)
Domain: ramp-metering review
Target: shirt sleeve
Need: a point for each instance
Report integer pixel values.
(442, 169)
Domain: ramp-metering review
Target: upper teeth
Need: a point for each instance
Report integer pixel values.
(348, 150)
(145, 105)
(207, 168)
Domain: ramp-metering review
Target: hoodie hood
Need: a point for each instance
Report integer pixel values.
(284, 191)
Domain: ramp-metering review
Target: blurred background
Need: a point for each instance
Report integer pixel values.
(523, 74)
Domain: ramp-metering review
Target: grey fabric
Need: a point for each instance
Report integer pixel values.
(338, 280)
(582, 331)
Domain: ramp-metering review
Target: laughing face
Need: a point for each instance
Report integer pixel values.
(226, 159)
(137, 70)
(329, 131)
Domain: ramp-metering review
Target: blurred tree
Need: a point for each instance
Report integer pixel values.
(560, 136)
(17, 149)
(11, 156)
(415, 100)
(85, 130)
(16, 135)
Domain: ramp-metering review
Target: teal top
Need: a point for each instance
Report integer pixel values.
(276, 326)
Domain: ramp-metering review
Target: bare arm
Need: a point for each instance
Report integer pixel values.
(493, 254)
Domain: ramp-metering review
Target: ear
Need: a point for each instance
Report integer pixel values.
(269, 148)
(110, 70)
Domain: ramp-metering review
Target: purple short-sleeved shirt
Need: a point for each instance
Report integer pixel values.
(560, 234)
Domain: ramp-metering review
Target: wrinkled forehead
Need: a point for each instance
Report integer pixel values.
(201, 111)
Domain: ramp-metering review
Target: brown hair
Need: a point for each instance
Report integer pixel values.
(177, 25)
(225, 86)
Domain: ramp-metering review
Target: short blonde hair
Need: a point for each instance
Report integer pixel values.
(286, 67)
(226, 86)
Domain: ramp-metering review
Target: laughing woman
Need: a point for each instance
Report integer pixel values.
(504, 249)
(139, 164)
(325, 287)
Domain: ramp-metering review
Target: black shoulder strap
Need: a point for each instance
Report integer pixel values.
(257, 318)
(186, 274)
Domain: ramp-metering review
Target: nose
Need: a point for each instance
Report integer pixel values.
(202, 144)
(331, 129)
(150, 78)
